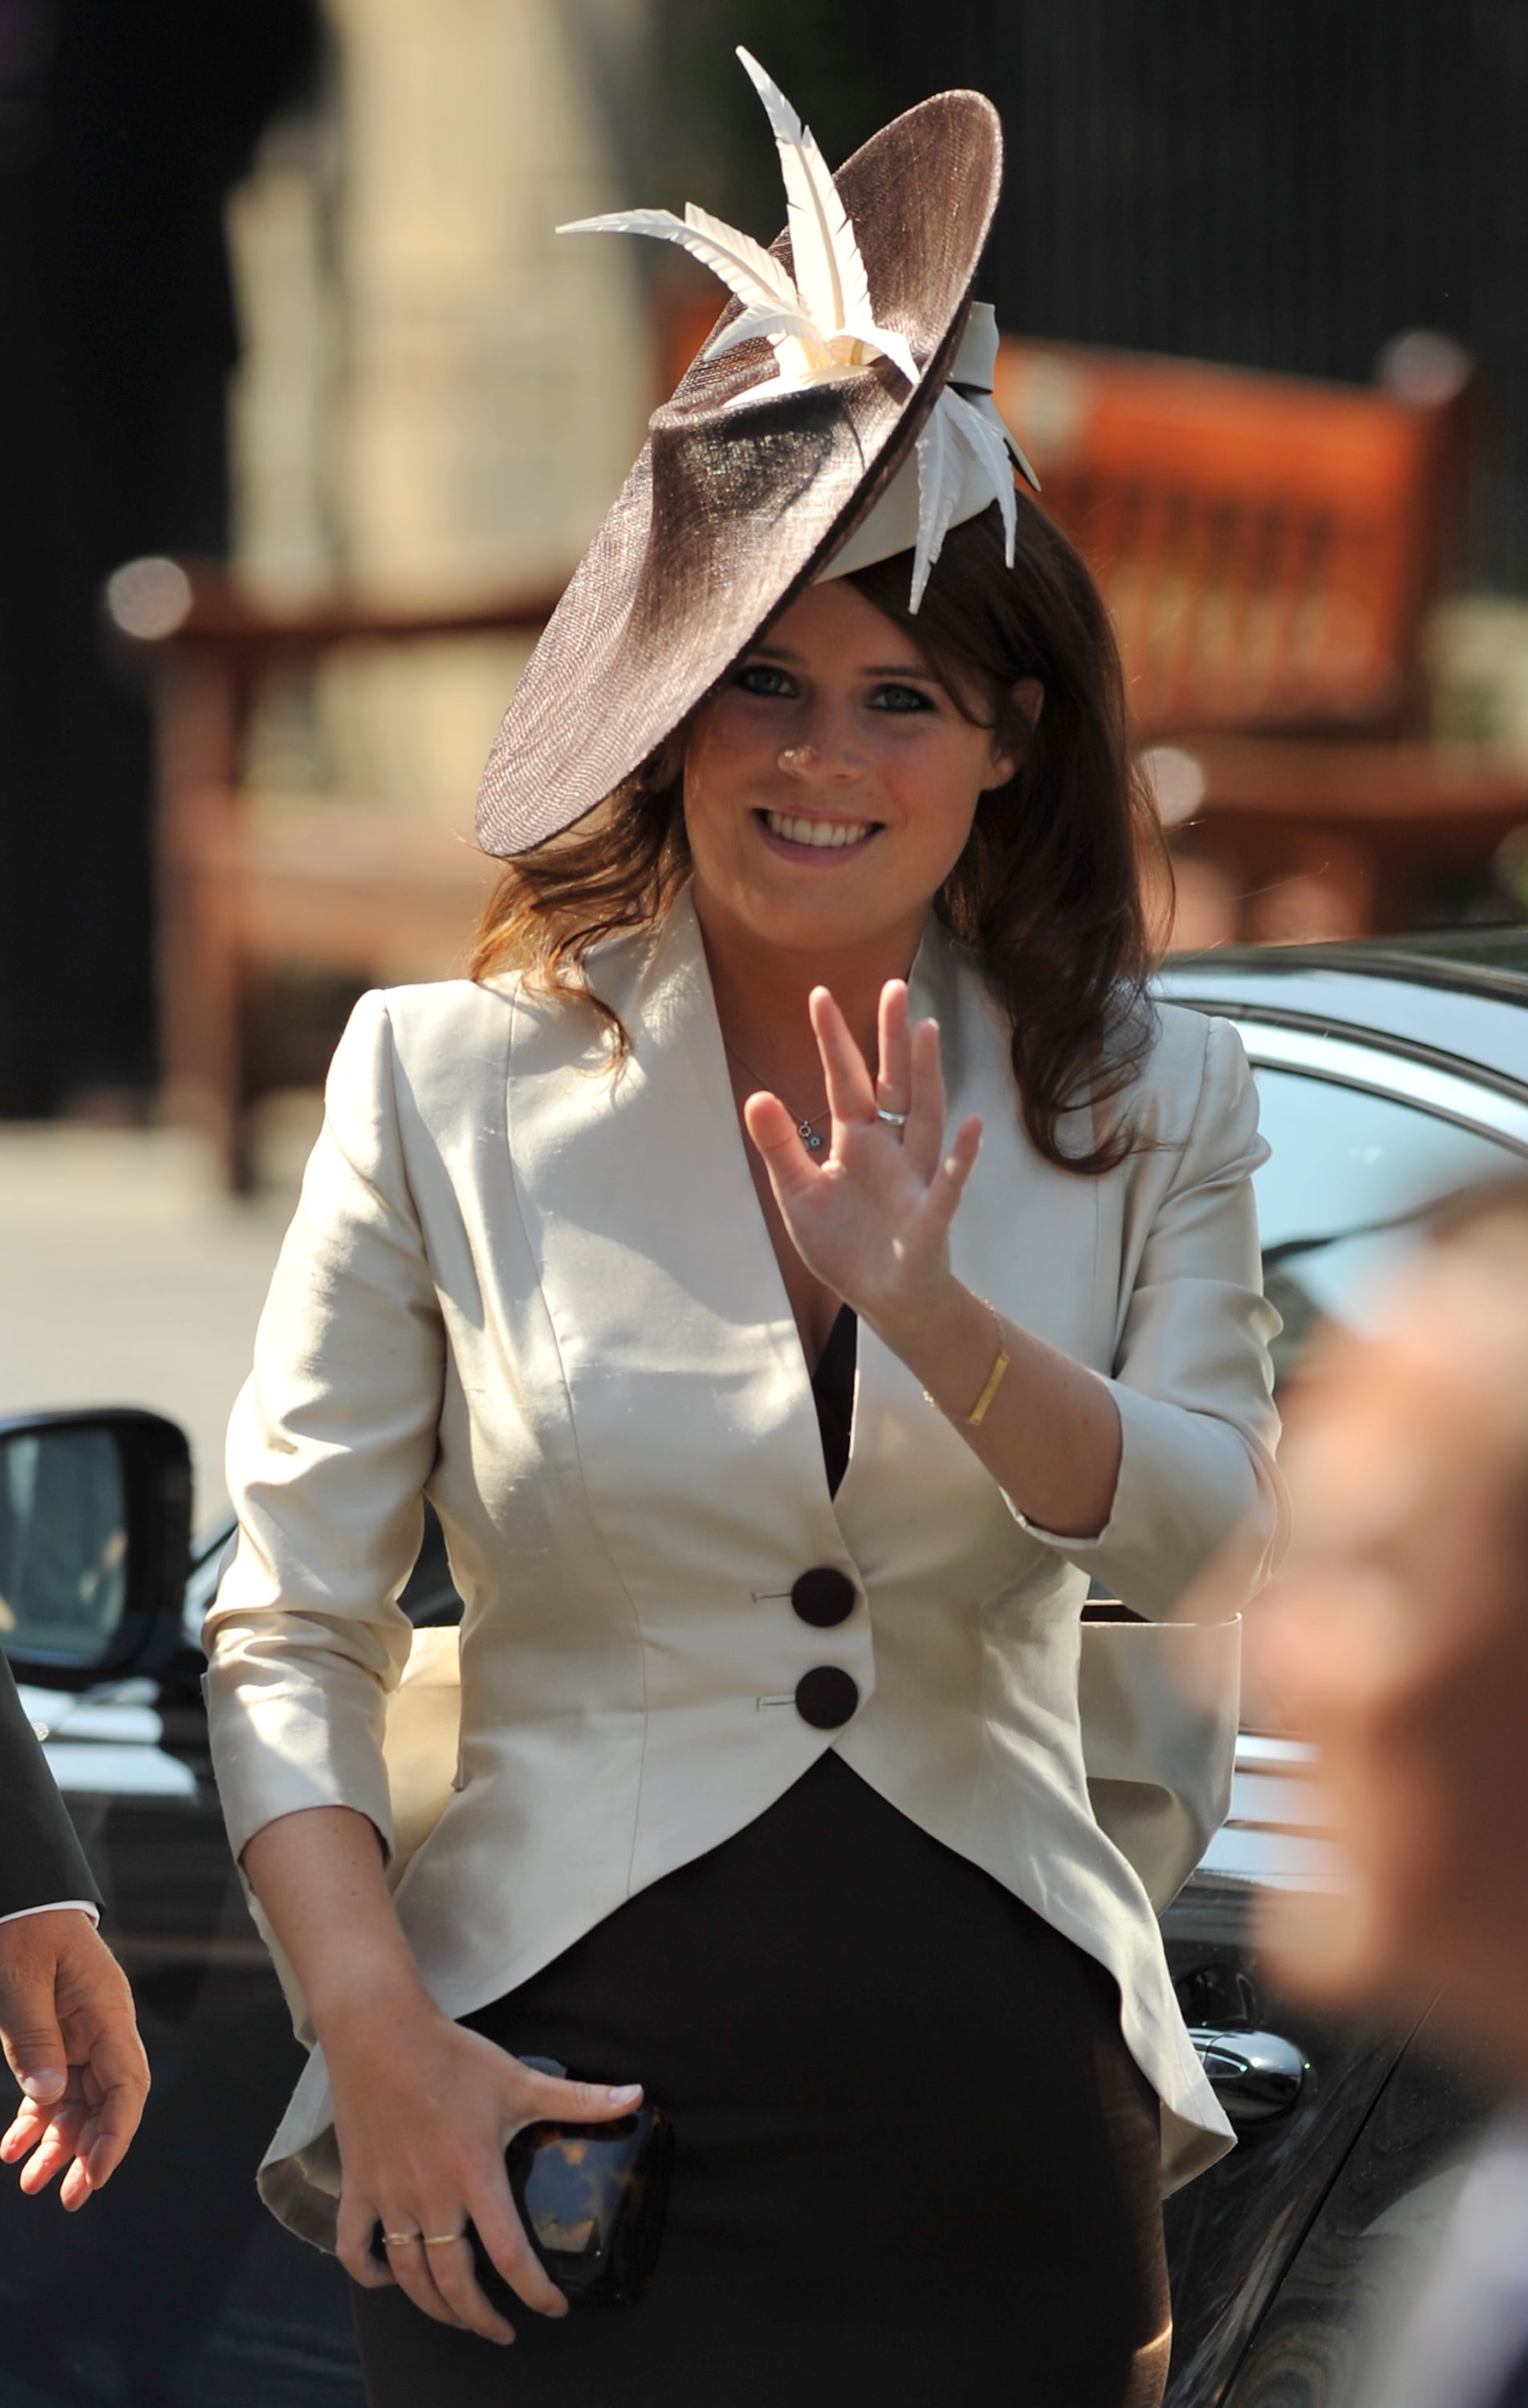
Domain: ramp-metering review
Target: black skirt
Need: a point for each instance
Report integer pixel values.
(916, 2163)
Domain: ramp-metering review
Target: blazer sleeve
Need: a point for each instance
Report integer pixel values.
(332, 1440)
(41, 1861)
(1192, 1378)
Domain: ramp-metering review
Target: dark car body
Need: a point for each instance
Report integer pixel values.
(1391, 1076)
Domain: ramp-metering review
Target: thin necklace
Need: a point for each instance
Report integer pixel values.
(806, 1131)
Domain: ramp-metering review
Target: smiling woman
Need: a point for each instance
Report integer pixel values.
(793, 1263)
(1017, 665)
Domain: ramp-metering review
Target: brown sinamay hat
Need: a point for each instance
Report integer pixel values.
(750, 479)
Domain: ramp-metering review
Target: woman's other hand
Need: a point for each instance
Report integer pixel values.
(423, 2111)
(872, 1219)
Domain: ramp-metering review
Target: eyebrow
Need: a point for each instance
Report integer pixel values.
(870, 668)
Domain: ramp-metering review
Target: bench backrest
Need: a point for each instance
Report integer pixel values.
(1268, 546)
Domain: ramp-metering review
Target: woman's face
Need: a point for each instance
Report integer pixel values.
(830, 785)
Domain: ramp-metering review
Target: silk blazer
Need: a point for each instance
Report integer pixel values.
(545, 1297)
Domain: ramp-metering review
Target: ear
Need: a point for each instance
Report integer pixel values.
(1029, 701)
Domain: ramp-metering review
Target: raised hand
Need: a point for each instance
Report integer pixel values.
(871, 1217)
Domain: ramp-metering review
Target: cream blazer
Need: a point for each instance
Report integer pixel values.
(545, 1298)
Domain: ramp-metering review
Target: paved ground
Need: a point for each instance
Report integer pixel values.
(127, 1278)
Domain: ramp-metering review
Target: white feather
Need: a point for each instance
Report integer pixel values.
(720, 251)
(830, 272)
(940, 476)
(777, 326)
(772, 277)
(821, 323)
(989, 447)
(1024, 468)
(885, 339)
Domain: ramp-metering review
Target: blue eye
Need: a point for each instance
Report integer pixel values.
(761, 677)
(898, 699)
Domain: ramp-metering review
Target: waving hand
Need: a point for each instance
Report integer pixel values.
(872, 1217)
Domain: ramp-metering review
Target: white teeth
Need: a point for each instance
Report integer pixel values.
(818, 832)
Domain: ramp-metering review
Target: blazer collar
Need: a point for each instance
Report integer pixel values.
(657, 1269)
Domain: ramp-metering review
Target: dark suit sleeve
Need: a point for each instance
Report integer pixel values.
(40, 1858)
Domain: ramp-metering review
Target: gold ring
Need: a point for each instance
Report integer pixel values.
(395, 2240)
(438, 2240)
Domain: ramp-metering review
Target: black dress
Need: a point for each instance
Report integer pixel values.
(916, 2163)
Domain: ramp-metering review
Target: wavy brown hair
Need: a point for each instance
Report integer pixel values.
(1047, 891)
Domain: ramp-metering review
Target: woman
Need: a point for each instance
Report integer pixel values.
(773, 1468)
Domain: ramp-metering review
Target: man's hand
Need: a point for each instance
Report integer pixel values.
(72, 2042)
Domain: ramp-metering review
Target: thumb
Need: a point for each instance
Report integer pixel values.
(29, 2025)
(37, 2056)
(580, 2102)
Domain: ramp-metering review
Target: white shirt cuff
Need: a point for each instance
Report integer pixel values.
(55, 1906)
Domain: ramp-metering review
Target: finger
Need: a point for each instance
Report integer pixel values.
(948, 1185)
(554, 2100)
(922, 1139)
(504, 2237)
(357, 2227)
(53, 2154)
(456, 2268)
(31, 2123)
(120, 2071)
(450, 2267)
(410, 2264)
(893, 1083)
(34, 2049)
(790, 1167)
(851, 1095)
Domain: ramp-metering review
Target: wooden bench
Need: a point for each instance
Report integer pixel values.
(334, 894)
(1271, 549)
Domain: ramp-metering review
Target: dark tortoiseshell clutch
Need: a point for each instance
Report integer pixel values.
(592, 2198)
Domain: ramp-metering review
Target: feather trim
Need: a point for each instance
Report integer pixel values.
(940, 475)
(749, 254)
(829, 271)
(988, 445)
(720, 248)
(819, 322)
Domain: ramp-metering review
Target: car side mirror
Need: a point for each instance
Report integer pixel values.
(95, 1544)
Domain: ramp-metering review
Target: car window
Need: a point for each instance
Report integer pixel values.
(1349, 1179)
(62, 1544)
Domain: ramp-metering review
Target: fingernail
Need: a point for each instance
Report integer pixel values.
(42, 2086)
(622, 2094)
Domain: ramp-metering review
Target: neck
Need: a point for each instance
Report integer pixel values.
(761, 989)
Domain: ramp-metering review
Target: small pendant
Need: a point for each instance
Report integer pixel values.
(809, 1138)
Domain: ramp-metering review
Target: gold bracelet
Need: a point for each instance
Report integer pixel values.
(978, 1414)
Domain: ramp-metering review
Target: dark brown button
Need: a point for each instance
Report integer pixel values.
(826, 1696)
(823, 1596)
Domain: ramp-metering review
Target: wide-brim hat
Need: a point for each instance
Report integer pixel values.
(745, 487)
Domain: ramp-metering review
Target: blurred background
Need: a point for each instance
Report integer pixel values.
(307, 413)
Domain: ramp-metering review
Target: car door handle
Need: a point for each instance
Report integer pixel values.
(1255, 2075)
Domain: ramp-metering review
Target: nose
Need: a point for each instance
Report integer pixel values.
(825, 756)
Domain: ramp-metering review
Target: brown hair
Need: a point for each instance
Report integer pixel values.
(1047, 891)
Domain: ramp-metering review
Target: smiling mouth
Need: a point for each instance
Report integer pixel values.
(820, 835)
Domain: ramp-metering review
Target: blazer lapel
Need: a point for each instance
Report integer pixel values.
(677, 1341)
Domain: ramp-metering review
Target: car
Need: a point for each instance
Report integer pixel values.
(1392, 1075)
